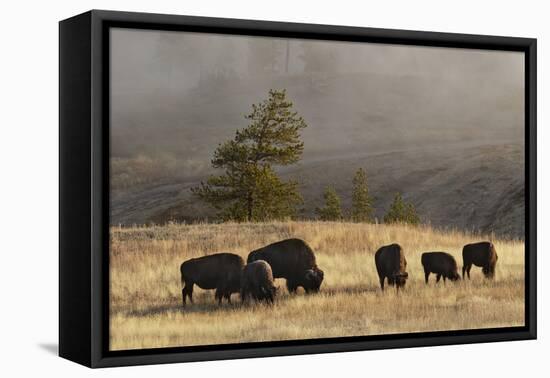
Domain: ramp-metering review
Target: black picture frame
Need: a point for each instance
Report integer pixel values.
(84, 187)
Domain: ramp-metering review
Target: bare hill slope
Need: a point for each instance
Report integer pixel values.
(475, 188)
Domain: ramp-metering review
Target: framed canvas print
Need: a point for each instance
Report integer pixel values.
(233, 188)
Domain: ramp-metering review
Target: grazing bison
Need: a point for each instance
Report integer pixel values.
(220, 271)
(441, 264)
(481, 254)
(257, 282)
(391, 263)
(293, 260)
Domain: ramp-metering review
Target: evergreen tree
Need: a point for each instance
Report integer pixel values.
(401, 212)
(250, 189)
(332, 211)
(361, 202)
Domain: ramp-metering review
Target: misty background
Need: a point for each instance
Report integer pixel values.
(443, 126)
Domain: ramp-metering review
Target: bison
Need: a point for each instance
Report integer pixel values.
(391, 264)
(294, 260)
(441, 264)
(482, 254)
(257, 282)
(220, 271)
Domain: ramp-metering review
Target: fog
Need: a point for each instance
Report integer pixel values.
(178, 95)
(443, 126)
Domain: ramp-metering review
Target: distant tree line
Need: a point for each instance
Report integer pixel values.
(362, 209)
(250, 189)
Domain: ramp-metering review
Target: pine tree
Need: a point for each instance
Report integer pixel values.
(361, 202)
(332, 211)
(250, 189)
(401, 212)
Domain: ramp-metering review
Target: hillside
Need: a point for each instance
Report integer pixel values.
(452, 147)
(469, 187)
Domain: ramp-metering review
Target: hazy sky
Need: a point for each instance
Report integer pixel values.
(162, 60)
(183, 93)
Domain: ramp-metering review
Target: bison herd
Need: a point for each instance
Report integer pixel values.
(294, 260)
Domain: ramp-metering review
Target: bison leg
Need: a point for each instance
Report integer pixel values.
(244, 295)
(438, 277)
(382, 282)
(228, 297)
(466, 270)
(255, 294)
(183, 295)
(187, 291)
(190, 292)
(219, 296)
(426, 276)
(291, 286)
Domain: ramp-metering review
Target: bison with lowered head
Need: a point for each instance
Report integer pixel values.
(481, 254)
(220, 271)
(257, 282)
(294, 260)
(391, 264)
(441, 264)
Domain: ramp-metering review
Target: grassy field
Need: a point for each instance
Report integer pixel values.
(145, 291)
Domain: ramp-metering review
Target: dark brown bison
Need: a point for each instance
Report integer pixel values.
(481, 254)
(220, 271)
(293, 260)
(441, 264)
(391, 264)
(257, 282)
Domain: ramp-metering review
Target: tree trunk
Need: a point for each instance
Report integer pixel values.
(249, 205)
(287, 55)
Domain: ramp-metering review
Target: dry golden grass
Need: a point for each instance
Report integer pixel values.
(145, 291)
